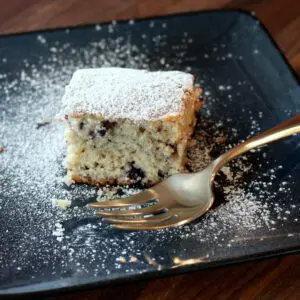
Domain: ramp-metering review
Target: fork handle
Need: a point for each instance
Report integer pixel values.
(284, 129)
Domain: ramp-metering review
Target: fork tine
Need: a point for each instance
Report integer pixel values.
(151, 219)
(171, 222)
(131, 212)
(139, 198)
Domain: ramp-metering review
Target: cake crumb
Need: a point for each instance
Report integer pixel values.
(61, 203)
(221, 139)
(132, 259)
(121, 259)
(67, 180)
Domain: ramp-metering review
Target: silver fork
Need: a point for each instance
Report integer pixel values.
(182, 198)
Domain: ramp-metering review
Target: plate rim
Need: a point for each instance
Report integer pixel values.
(241, 11)
(148, 275)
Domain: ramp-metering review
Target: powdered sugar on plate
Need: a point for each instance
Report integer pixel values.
(60, 243)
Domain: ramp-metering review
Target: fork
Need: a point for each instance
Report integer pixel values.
(182, 198)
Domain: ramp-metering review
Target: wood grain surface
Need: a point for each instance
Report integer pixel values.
(276, 278)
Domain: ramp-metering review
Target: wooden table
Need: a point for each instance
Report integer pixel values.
(276, 278)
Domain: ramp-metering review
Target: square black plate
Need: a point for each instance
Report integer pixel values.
(249, 86)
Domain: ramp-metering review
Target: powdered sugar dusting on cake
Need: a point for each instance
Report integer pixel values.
(126, 93)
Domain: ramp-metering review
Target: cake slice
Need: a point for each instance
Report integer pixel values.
(128, 126)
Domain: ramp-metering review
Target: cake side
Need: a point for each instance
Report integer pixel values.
(122, 152)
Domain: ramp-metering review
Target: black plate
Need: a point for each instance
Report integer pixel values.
(249, 86)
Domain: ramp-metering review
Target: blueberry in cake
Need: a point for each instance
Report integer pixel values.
(128, 126)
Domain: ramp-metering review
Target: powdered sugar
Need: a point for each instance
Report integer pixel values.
(126, 93)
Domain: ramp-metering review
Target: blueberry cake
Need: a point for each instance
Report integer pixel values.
(128, 126)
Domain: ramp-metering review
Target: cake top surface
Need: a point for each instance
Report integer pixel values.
(126, 93)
